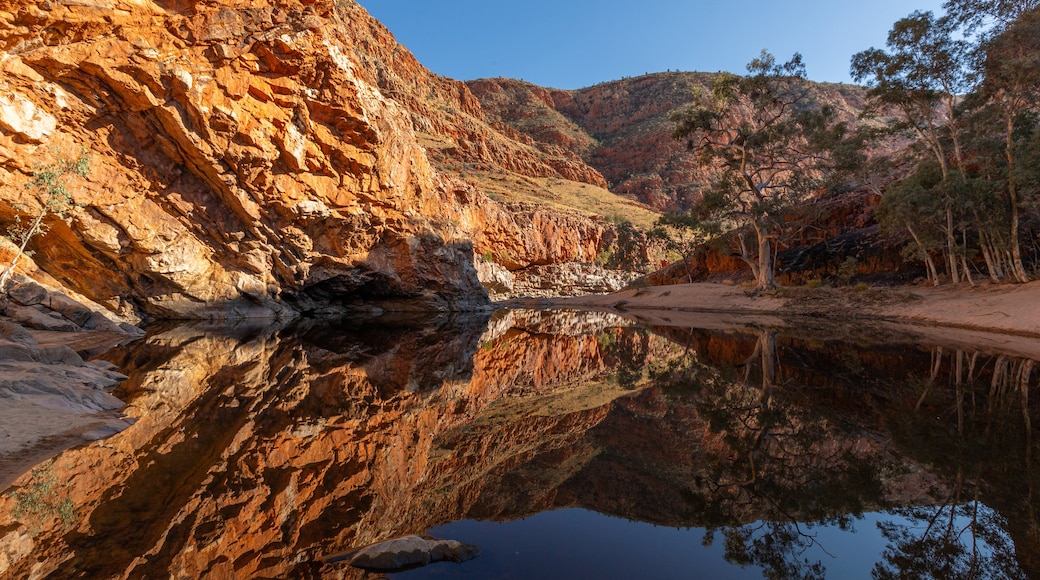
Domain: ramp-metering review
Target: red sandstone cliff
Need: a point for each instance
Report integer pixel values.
(252, 156)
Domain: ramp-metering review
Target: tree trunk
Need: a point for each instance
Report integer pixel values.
(21, 250)
(1016, 251)
(933, 273)
(967, 272)
(765, 259)
(951, 244)
(992, 266)
(964, 259)
(745, 256)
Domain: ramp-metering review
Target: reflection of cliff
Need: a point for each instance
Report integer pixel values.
(713, 440)
(257, 450)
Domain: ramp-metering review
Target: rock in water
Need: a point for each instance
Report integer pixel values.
(406, 552)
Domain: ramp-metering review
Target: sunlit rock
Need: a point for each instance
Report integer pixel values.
(22, 117)
(406, 552)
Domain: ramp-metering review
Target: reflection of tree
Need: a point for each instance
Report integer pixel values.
(777, 547)
(773, 460)
(627, 351)
(971, 424)
(947, 541)
(780, 451)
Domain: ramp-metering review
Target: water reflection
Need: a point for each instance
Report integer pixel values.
(257, 450)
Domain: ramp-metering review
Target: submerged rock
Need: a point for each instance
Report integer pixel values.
(406, 552)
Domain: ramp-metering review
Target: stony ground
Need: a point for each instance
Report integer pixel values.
(50, 397)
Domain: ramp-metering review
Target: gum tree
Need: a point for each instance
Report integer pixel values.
(765, 138)
(1011, 85)
(920, 78)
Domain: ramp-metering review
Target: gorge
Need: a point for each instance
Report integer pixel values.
(284, 317)
(291, 157)
(262, 159)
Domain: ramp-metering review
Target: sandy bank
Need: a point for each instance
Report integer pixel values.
(1011, 309)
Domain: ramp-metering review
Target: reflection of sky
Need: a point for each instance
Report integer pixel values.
(576, 543)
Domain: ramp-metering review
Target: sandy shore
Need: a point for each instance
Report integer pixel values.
(1007, 309)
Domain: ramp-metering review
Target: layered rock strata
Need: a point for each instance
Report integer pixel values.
(258, 159)
(623, 128)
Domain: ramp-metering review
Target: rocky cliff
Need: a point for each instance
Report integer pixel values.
(623, 128)
(261, 158)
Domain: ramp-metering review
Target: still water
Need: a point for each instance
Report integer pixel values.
(565, 444)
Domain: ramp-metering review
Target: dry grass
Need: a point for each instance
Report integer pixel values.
(552, 192)
(562, 194)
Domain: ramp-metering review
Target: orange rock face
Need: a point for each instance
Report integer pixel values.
(247, 157)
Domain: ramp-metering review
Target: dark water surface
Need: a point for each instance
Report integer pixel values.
(565, 444)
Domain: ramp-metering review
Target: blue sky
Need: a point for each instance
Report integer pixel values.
(571, 44)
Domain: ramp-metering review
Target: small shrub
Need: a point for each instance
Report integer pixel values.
(848, 269)
(814, 283)
(50, 183)
(39, 500)
(860, 287)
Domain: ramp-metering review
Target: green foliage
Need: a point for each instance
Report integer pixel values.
(626, 251)
(50, 180)
(50, 183)
(769, 142)
(42, 499)
(848, 268)
(990, 16)
(963, 87)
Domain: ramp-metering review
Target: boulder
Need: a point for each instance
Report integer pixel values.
(32, 318)
(27, 292)
(16, 333)
(406, 552)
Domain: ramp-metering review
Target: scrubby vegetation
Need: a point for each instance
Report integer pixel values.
(949, 138)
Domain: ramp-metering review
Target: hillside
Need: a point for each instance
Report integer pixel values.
(623, 128)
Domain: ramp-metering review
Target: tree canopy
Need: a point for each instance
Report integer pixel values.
(768, 143)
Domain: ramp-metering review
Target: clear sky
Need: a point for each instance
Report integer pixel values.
(571, 44)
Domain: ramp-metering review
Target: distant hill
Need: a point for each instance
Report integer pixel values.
(623, 128)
